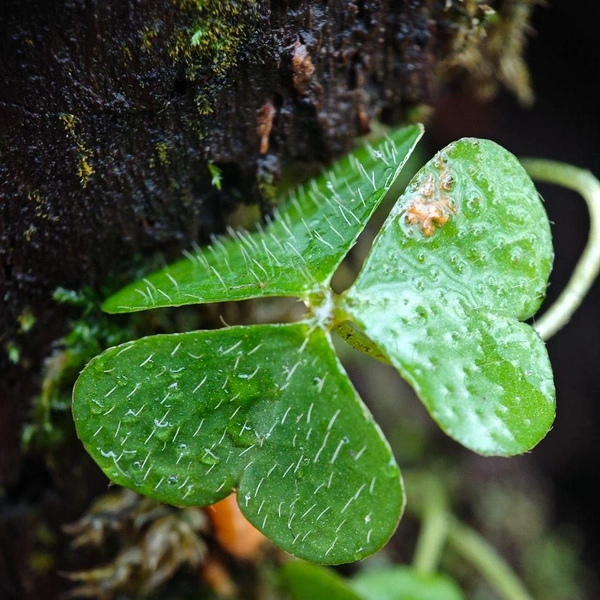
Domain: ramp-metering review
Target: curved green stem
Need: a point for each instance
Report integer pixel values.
(434, 531)
(474, 548)
(586, 271)
(441, 528)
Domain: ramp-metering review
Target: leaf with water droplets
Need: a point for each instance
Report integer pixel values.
(464, 255)
(267, 410)
(295, 254)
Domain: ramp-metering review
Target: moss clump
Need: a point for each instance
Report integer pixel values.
(162, 149)
(50, 420)
(489, 46)
(216, 176)
(218, 32)
(26, 320)
(13, 351)
(84, 169)
(147, 37)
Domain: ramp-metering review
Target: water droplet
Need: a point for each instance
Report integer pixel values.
(172, 479)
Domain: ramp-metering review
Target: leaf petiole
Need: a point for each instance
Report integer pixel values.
(434, 530)
(354, 337)
(586, 271)
(486, 559)
(440, 528)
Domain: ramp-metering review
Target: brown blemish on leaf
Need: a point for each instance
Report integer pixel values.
(428, 213)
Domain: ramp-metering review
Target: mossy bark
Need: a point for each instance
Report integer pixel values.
(111, 113)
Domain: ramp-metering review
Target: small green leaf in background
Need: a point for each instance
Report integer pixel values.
(403, 583)
(295, 254)
(267, 410)
(464, 255)
(305, 581)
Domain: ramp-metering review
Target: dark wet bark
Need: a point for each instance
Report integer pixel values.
(107, 124)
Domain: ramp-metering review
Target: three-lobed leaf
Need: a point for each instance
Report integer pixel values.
(464, 255)
(295, 254)
(267, 410)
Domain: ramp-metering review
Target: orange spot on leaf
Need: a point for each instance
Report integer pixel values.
(428, 213)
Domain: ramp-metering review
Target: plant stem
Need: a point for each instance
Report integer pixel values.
(586, 271)
(474, 548)
(434, 531)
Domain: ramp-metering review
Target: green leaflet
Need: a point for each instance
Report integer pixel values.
(311, 582)
(403, 583)
(305, 581)
(465, 253)
(294, 255)
(265, 409)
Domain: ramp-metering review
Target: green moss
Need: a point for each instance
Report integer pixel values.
(216, 176)
(204, 103)
(29, 232)
(212, 43)
(14, 352)
(50, 420)
(489, 45)
(26, 320)
(84, 168)
(147, 36)
(127, 52)
(162, 149)
(217, 34)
